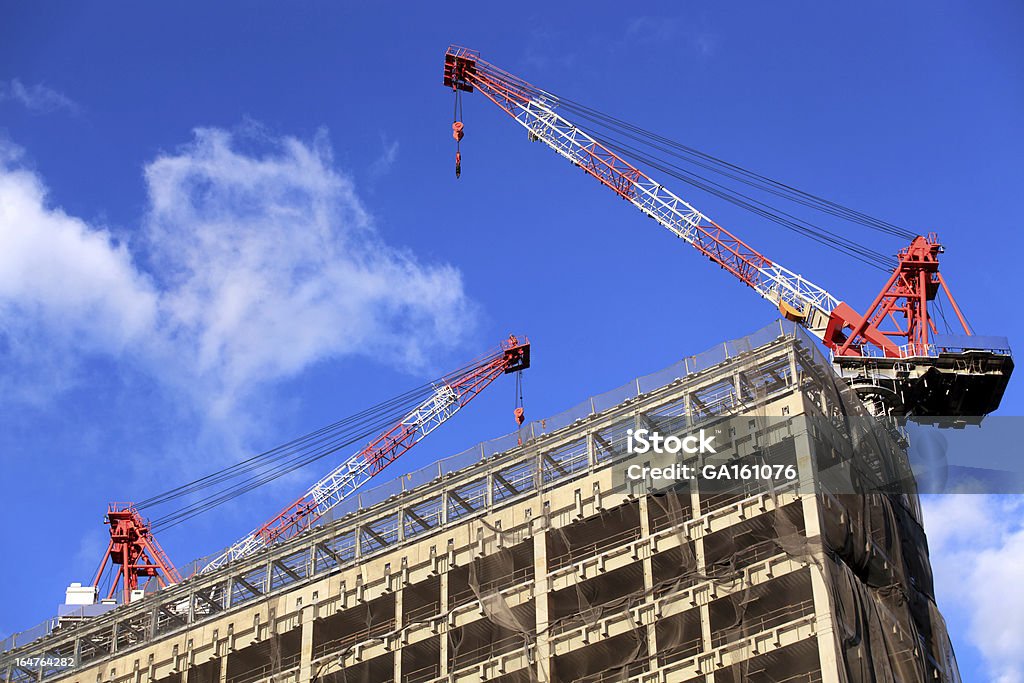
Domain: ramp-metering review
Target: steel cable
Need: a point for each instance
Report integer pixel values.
(733, 172)
(265, 467)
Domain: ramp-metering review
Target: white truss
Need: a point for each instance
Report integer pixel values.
(355, 471)
(776, 283)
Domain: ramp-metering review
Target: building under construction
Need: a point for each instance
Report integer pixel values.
(532, 558)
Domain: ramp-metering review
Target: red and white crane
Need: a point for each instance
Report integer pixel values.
(135, 551)
(873, 350)
(449, 397)
(134, 547)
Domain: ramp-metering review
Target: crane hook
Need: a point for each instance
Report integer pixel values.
(520, 411)
(458, 133)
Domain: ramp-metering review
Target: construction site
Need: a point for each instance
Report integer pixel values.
(535, 557)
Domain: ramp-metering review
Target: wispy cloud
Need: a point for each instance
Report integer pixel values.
(258, 264)
(546, 48)
(652, 29)
(657, 30)
(976, 543)
(59, 273)
(37, 98)
(387, 158)
(705, 43)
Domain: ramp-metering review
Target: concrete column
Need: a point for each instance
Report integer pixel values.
(648, 568)
(442, 629)
(699, 556)
(541, 595)
(828, 645)
(396, 651)
(222, 668)
(307, 616)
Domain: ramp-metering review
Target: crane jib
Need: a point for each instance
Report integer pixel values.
(448, 397)
(972, 378)
(536, 110)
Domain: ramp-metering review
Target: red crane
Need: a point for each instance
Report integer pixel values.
(134, 548)
(449, 396)
(893, 354)
(135, 551)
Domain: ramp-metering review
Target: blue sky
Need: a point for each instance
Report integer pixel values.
(228, 226)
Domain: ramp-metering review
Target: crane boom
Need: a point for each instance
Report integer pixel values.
(450, 395)
(536, 110)
(930, 374)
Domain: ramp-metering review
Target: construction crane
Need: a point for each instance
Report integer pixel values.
(893, 355)
(133, 545)
(135, 551)
(447, 399)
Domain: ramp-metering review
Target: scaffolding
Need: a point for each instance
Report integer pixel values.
(529, 558)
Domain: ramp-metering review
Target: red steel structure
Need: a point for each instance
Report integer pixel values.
(897, 326)
(135, 552)
(397, 441)
(914, 282)
(450, 395)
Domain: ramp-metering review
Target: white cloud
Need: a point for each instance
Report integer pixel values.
(258, 264)
(57, 269)
(37, 98)
(387, 158)
(651, 30)
(976, 544)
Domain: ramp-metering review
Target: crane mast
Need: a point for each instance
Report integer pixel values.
(135, 551)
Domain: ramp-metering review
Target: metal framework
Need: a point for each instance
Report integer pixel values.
(914, 283)
(838, 325)
(449, 396)
(135, 551)
(535, 110)
(555, 451)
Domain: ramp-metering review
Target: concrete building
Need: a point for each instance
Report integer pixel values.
(540, 561)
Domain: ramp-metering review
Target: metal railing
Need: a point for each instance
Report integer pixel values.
(691, 365)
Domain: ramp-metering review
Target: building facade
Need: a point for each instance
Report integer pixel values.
(534, 558)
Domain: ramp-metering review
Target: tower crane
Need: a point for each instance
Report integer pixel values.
(448, 398)
(135, 551)
(133, 545)
(893, 354)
